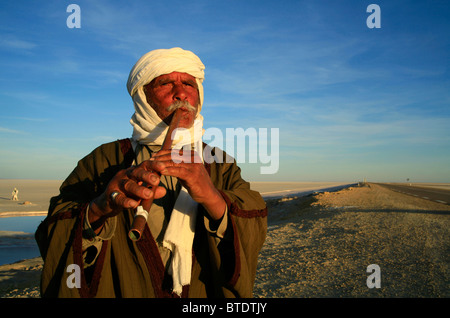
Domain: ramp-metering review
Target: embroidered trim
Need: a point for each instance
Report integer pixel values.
(235, 210)
(127, 150)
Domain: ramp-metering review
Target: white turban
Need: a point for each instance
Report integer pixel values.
(164, 61)
(148, 127)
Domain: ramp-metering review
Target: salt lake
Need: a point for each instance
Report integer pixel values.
(17, 238)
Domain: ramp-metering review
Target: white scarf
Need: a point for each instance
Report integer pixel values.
(149, 129)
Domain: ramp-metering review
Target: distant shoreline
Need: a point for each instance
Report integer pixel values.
(22, 213)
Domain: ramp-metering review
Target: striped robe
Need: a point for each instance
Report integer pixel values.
(124, 268)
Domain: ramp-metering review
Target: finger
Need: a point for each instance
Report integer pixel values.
(160, 153)
(144, 173)
(179, 171)
(172, 158)
(158, 166)
(160, 192)
(178, 156)
(132, 189)
(190, 156)
(121, 200)
(162, 156)
(131, 200)
(182, 157)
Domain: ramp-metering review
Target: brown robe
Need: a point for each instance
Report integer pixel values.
(124, 268)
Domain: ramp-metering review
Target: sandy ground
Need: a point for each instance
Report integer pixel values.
(21, 279)
(321, 245)
(34, 196)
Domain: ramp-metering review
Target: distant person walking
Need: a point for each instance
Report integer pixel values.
(15, 194)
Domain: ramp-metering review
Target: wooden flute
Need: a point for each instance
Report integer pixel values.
(140, 219)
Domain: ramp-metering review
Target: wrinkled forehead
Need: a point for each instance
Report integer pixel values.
(175, 76)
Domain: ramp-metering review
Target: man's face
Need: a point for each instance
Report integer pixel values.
(166, 89)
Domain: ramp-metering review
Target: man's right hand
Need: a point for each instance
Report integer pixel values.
(132, 186)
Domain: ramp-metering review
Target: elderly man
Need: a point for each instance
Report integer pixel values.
(204, 229)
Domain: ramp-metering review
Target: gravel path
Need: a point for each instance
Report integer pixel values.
(321, 246)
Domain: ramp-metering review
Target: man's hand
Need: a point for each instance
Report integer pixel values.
(193, 176)
(132, 186)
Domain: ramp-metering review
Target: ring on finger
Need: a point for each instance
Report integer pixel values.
(114, 195)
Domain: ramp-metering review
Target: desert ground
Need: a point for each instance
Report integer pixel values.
(320, 245)
(34, 196)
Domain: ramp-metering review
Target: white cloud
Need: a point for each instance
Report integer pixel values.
(11, 131)
(16, 44)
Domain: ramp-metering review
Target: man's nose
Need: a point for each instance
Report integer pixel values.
(179, 93)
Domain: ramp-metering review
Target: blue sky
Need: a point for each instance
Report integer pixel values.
(350, 102)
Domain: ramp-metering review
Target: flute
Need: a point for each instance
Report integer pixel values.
(140, 219)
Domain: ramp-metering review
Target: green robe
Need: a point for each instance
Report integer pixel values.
(124, 268)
